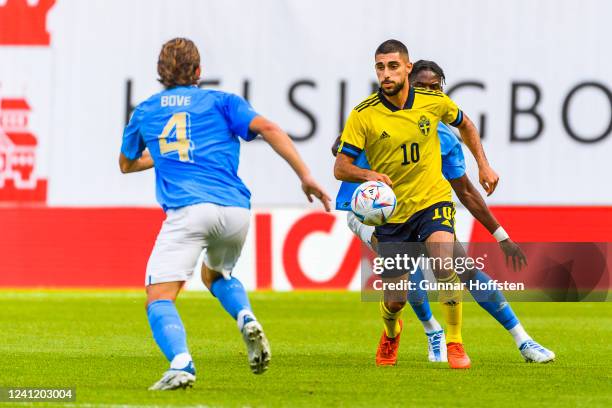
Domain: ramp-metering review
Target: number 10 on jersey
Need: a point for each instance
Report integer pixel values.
(415, 155)
(179, 126)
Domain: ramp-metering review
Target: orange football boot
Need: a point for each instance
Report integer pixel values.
(386, 354)
(457, 357)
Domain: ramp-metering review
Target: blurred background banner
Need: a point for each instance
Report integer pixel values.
(533, 76)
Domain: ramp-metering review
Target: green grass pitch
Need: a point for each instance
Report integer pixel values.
(323, 347)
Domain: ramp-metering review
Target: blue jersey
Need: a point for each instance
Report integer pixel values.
(192, 135)
(453, 165)
(453, 161)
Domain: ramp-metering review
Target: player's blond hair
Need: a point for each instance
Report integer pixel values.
(178, 62)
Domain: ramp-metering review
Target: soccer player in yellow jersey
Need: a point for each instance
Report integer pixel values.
(397, 129)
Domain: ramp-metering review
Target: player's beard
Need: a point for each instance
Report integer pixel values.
(395, 90)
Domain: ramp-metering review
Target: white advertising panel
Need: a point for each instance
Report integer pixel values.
(532, 75)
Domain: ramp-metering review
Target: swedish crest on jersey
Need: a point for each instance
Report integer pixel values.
(424, 125)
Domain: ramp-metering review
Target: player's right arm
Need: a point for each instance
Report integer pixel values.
(284, 147)
(345, 170)
(351, 145)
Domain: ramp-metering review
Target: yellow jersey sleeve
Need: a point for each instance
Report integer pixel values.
(353, 137)
(450, 112)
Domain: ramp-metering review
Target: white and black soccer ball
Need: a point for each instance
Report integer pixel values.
(373, 203)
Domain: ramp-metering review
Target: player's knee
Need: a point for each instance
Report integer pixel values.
(467, 275)
(209, 276)
(395, 306)
(163, 291)
(208, 280)
(416, 299)
(444, 273)
(155, 296)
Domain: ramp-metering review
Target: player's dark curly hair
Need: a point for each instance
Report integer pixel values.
(178, 62)
(424, 65)
(390, 46)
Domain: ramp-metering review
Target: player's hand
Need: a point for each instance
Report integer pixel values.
(488, 179)
(312, 188)
(374, 176)
(512, 250)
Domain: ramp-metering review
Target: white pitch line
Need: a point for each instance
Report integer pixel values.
(87, 405)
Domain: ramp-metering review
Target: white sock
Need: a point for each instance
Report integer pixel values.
(364, 232)
(431, 325)
(180, 361)
(519, 334)
(241, 315)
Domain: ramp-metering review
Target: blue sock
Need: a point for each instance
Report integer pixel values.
(493, 301)
(233, 298)
(418, 297)
(167, 327)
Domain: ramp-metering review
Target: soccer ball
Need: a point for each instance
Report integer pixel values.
(373, 203)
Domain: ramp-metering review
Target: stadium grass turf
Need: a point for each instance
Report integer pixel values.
(323, 347)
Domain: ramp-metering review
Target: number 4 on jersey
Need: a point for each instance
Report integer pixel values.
(178, 127)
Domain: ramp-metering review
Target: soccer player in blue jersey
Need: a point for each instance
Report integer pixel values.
(191, 137)
(429, 75)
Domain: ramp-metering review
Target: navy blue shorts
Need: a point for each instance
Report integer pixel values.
(423, 223)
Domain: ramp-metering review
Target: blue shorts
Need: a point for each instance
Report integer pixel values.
(423, 223)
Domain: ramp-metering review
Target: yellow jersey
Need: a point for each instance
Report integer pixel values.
(404, 144)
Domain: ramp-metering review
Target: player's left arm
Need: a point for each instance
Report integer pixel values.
(134, 155)
(247, 124)
(284, 147)
(144, 162)
(336, 145)
(469, 196)
(451, 114)
(469, 134)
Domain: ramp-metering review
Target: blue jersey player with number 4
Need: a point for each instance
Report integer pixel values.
(429, 75)
(191, 137)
